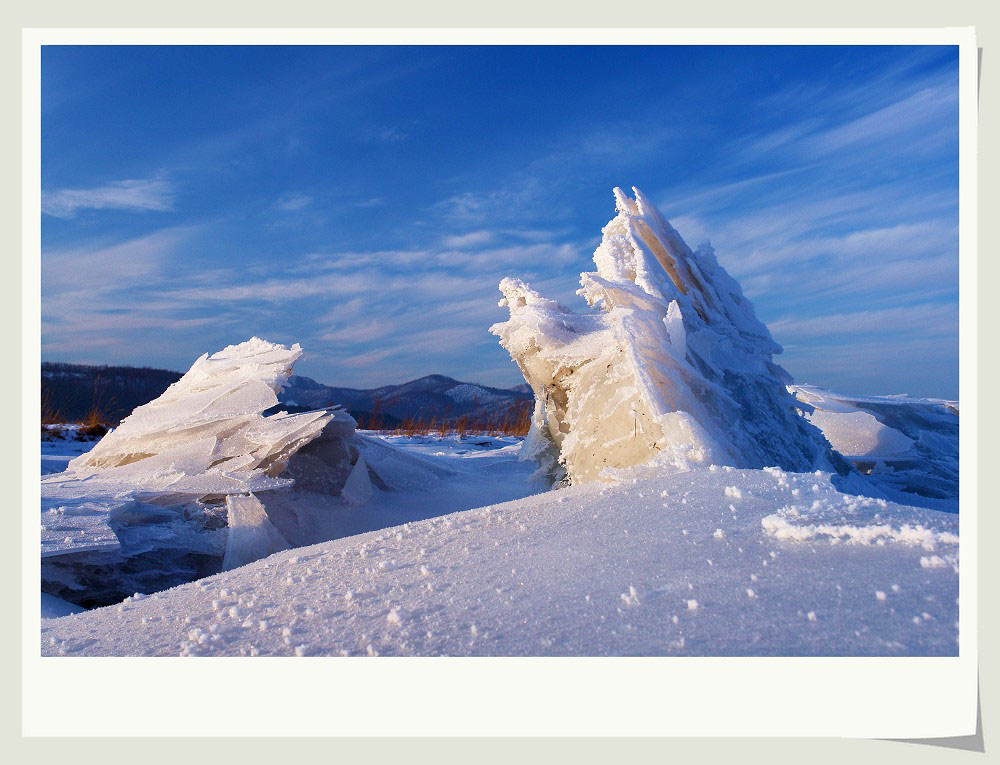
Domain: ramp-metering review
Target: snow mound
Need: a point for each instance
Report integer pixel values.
(674, 366)
(858, 520)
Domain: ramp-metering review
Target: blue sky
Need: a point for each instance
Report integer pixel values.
(365, 201)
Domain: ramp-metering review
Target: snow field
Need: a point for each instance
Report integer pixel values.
(595, 569)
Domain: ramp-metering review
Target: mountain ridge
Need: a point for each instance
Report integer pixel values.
(72, 392)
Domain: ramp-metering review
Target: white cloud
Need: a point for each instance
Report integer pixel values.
(151, 194)
(471, 239)
(96, 269)
(927, 320)
(364, 331)
(293, 202)
(906, 117)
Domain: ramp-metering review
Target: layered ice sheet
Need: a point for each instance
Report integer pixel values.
(200, 479)
(673, 366)
(206, 434)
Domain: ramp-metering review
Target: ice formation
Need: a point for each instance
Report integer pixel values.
(200, 479)
(674, 366)
(907, 447)
(206, 434)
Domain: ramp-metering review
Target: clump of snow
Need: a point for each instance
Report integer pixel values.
(631, 598)
(858, 520)
(675, 367)
(937, 561)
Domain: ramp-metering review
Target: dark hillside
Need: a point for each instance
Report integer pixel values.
(79, 392)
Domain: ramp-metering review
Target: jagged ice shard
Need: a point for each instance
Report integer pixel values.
(207, 434)
(673, 367)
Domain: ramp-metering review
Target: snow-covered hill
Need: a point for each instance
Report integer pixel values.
(703, 562)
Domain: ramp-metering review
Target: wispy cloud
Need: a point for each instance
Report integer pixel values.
(501, 204)
(95, 269)
(471, 239)
(926, 320)
(150, 194)
(293, 202)
(95, 296)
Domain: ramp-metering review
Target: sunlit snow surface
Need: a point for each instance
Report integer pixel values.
(704, 562)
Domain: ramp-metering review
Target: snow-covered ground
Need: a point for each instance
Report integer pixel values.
(703, 562)
(700, 562)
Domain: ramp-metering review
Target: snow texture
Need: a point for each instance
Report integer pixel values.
(673, 367)
(634, 567)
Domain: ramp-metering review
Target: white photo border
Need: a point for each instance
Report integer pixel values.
(899, 697)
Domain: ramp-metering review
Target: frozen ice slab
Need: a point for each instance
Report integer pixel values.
(674, 367)
(207, 433)
(251, 535)
(907, 446)
(77, 527)
(859, 435)
(200, 479)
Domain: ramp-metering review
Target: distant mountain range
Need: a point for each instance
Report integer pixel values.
(432, 397)
(71, 392)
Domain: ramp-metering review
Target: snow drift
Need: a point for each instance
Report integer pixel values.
(720, 562)
(674, 366)
(201, 479)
